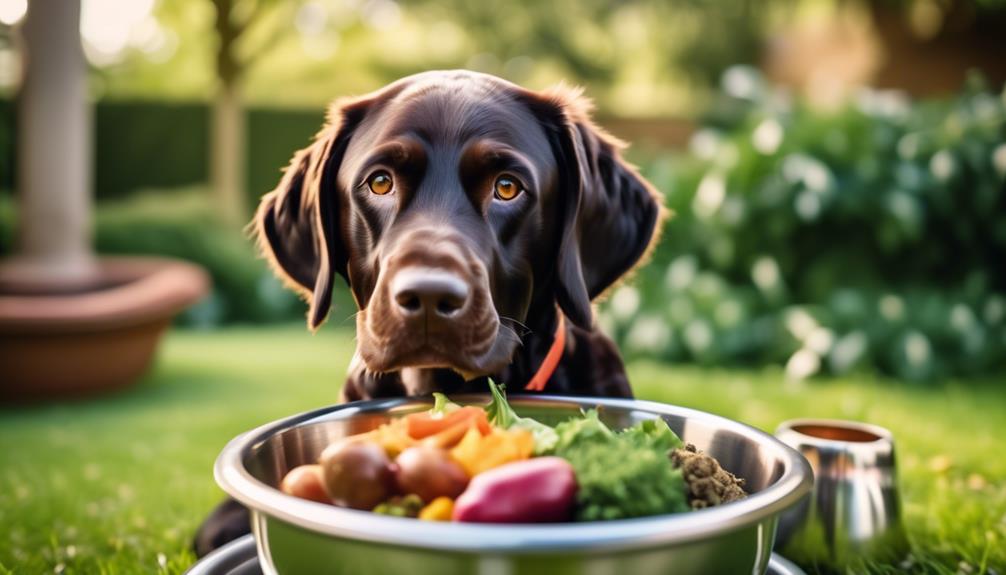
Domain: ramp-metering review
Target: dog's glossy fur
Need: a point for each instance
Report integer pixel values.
(582, 220)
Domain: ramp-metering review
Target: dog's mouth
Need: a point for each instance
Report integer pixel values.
(488, 353)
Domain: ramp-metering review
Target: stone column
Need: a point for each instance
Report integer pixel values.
(54, 161)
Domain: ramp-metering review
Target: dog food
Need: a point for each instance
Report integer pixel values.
(490, 465)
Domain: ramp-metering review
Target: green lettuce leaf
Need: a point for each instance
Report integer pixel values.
(654, 434)
(501, 414)
(442, 405)
(579, 430)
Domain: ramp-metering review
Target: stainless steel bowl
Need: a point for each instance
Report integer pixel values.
(297, 536)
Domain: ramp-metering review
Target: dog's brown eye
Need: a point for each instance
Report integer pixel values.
(506, 188)
(380, 183)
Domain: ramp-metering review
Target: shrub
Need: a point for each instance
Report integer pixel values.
(871, 235)
(182, 224)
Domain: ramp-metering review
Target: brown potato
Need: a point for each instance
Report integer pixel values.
(305, 482)
(357, 474)
(429, 472)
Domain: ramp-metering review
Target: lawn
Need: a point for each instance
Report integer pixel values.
(119, 484)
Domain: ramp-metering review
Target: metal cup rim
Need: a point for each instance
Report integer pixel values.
(882, 434)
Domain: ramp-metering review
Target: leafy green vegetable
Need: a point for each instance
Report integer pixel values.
(622, 475)
(588, 428)
(442, 405)
(619, 479)
(502, 415)
(655, 434)
(402, 506)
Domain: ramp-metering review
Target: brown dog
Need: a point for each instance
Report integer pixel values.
(462, 211)
(471, 219)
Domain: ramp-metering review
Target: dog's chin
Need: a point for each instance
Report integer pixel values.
(468, 365)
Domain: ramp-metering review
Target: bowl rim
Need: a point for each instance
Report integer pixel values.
(592, 537)
(790, 428)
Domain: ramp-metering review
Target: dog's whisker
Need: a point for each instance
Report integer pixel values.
(352, 316)
(511, 334)
(525, 331)
(510, 319)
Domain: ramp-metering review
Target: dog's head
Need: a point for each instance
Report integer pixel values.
(453, 203)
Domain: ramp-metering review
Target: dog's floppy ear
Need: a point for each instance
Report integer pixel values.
(610, 215)
(298, 223)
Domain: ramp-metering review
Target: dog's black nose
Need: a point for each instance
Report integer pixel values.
(419, 291)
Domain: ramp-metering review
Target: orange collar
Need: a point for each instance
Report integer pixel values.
(551, 361)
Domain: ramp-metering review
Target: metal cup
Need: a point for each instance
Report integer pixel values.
(853, 513)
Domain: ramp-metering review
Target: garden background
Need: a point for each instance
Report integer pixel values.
(837, 171)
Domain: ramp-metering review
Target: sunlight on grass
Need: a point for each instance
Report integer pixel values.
(119, 484)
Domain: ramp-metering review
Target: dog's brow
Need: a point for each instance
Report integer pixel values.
(497, 156)
(396, 153)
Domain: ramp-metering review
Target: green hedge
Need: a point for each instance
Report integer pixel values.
(7, 145)
(871, 235)
(144, 145)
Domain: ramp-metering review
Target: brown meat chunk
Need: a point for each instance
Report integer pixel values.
(708, 483)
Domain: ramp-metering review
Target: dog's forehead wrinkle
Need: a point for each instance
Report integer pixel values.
(455, 113)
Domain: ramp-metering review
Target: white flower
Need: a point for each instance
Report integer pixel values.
(765, 273)
(704, 144)
(811, 172)
(892, 307)
(743, 82)
(648, 333)
(917, 349)
(625, 302)
(711, 192)
(942, 165)
(767, 137)
(807, 205)
(681, 272)
(698, 336)
(820, 340)
(961, 317)
(995, 309)
(904, 207)
(999, 160)
(847, 351)
(802, 364)
(800, 323)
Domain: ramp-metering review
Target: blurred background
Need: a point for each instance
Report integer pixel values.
(836, 167)
(837, 170)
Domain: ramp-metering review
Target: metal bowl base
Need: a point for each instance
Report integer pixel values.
(240, 558)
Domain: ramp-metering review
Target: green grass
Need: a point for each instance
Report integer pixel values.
(118, 484)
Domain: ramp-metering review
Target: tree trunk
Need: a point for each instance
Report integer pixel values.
(227, 162)
(228, 156)
(54, 137)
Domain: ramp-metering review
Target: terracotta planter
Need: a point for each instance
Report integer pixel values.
(74, 344)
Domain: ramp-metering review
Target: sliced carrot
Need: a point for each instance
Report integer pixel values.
(420, 425)
(450, 436)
